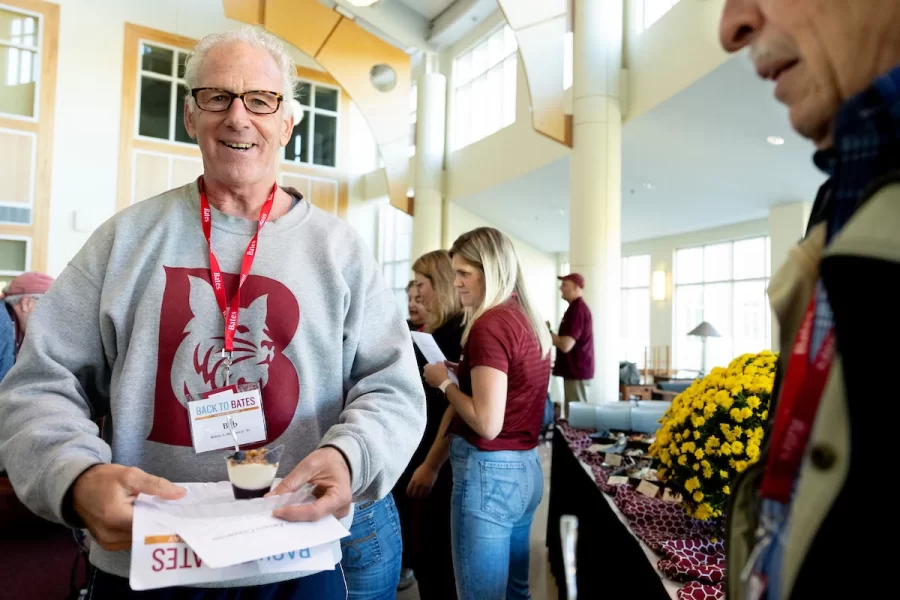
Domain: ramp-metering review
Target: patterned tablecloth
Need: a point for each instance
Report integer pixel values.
(691, 551)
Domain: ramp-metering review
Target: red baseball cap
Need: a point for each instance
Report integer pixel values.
(575, 278)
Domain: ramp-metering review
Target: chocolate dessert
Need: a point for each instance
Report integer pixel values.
(252, 472)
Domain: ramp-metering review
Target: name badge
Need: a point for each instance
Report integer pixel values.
(216, 413)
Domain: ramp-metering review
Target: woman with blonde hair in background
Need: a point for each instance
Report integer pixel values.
(503, 375)
(417, 313)
(423, 491)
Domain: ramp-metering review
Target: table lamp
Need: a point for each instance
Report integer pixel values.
(704, 330)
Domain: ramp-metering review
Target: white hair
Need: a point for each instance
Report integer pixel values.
(256, 37)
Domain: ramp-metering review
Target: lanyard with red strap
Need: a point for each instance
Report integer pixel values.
(230, 310)
(803, 386)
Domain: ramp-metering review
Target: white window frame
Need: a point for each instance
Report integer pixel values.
(381, 244)
(413, 116)
(28, 248)
(32, 183)
(313, 111)
(174, 104)
(767, 326)
(641, 21)
(624, 308)
(37, 65)
(458, 84)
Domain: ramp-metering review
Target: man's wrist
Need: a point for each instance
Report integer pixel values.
(444, 385)
(344, 456)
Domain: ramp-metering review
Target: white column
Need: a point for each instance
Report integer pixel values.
(595, 239)
(430, 126)
(787, 226)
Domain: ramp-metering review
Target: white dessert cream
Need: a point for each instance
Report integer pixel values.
(252, 474)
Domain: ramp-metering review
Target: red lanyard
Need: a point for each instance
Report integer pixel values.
(802, 390)
(230, 310)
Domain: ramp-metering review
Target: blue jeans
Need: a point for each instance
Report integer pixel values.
(494, 498)
(374, 551)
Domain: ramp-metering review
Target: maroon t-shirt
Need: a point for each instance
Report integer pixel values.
(503, 338)
(578, 363)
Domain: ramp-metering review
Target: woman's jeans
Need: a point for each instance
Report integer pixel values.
(373, 552)
(494, 498)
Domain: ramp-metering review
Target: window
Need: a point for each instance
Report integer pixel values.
(15, 256)
(635, 308)
(314, 140)
(484, 80)
(413, 117)
(725, 285)
(161, 94)
(395, 250)
(568, 59)
(650, 11)
(19, 63)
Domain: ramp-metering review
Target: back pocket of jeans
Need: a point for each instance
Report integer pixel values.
(361, 550)
(502, 493)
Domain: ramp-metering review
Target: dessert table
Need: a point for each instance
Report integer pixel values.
(627, 543)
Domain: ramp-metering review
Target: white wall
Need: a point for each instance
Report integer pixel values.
(677, 50)
(508, 153)
(662, 256)
(89, 100)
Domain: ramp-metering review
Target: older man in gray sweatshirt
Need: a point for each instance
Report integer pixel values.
(136, 324)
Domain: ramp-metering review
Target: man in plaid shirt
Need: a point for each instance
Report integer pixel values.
(836, 66)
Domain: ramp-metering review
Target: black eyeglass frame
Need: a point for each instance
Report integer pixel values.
(276, 95)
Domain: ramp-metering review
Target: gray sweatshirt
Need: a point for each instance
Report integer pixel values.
(132, 325)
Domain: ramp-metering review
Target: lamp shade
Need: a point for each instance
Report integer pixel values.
(704, 329)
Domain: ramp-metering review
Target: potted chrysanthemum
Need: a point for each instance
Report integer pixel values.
(714, 430)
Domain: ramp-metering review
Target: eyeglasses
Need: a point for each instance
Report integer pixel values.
(259, 102)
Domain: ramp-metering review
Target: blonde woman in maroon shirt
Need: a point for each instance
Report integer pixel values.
(503, 375)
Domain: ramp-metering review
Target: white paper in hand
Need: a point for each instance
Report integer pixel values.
(432, 352)
(160, 558)
(224, 532)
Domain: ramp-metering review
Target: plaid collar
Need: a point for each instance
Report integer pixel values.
(866, 147)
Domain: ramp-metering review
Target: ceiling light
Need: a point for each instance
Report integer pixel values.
(775, 140)
(362, 3)
(648, 186)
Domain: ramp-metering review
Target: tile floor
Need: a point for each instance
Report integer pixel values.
(543, 586)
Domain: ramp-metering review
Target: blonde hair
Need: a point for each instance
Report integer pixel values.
(495, 256)
(437, 267)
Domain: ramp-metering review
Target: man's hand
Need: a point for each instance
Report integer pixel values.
(422, 481)
(103, 496)
(328, 471)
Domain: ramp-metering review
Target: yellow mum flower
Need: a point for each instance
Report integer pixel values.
(725, 450)
(682, 460)
(737, 431)
(703, 512)
(724, 474)
(764, 415)
(736, 415)
(698, 496)
(705, 464)
(726, 490)
(698, 421)
(737, 447)
(753, 402)
(713, 441)
(696, 435)
(746, 413)
(753, 452)
(692, 484)
(708, 473)
(740, 466)
(698, 454)
(696, 467)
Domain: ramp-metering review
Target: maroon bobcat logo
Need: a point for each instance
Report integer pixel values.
(191, 329)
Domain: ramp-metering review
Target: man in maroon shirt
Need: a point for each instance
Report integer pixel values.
(574, 342)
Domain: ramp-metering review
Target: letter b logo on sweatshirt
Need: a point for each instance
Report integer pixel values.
(190, 361)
